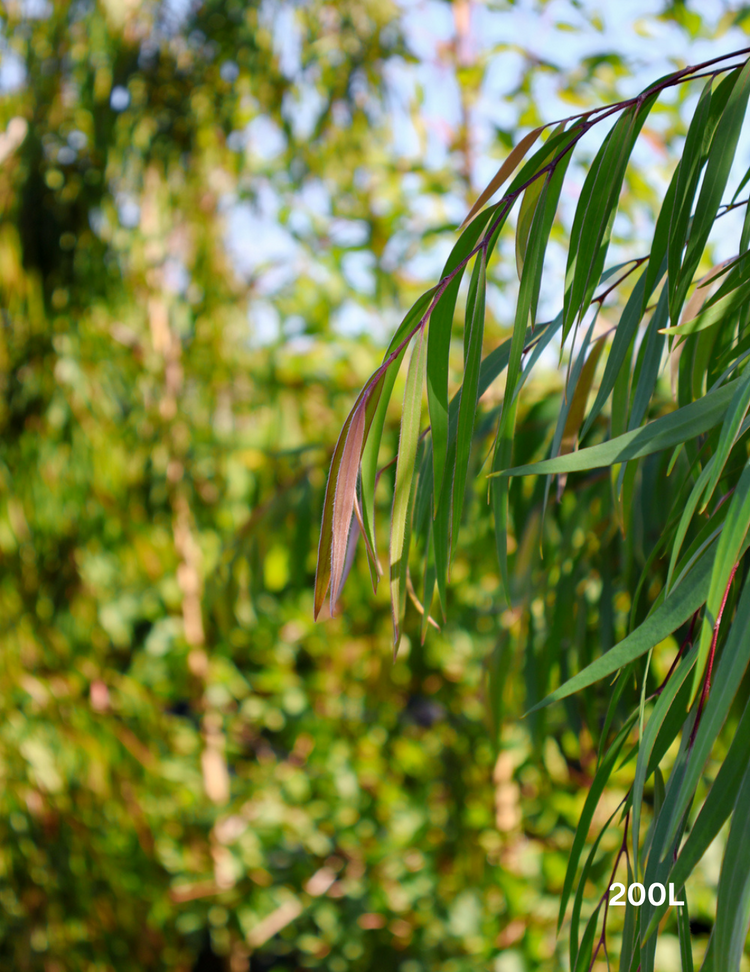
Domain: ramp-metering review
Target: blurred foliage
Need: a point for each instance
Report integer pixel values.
(194, 774)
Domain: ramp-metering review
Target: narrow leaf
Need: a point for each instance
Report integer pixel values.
(343, 503)
(663, 433)
(728, 550)
(438, 349)
(405, 467)
(325, 545)
(713, 312)
(504, 172)
(469, 391)
(713, 813)
(674, 611)
(733, 905)
(720, 159)
(603, 773)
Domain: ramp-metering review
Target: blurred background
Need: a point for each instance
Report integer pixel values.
(212, 216)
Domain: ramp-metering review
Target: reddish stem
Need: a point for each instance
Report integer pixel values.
(685, 644)
(602, 943)
(711, 655)
(636, 263)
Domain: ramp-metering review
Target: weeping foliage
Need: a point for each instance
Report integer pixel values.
(638, 500)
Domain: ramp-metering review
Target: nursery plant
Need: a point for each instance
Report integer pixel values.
(620, 506)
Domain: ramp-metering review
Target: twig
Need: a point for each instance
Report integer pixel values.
(636, 263)
(688, 642)
(602, 943)
(711, 655)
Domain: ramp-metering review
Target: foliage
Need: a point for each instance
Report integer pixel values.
(192, 771)
(643, 550)
(197, 201)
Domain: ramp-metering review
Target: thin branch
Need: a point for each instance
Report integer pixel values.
(636, 263)
(602, 943)
(711, 655)
(686, 644)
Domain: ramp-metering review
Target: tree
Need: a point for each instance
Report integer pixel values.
(626, 588)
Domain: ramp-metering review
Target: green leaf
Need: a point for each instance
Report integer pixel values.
(630, 930)
(665, 705)
(573, 403)
(616, 359)
(733, 905)
(369, 471)
(720, 158)
(438, 348)
(417, 313)
(528, 297)
(578, 900)
(683, 601)
(470, 388)
(529, 203)
(687, 515)
(657, 262)
(405, 467)
(649, 359)
(595, 212)
(684, 933)
(602, 775)
(731, 543)
(429, 583)
(492, 366)
(663, 433)
(727, 679)
(686, 180)
(730, 432)
(712, 313)
(714, 812)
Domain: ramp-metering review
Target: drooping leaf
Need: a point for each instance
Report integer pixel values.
(664, 705)
(616, 364)
(663, 433)
(733, 905)
(350, 442)
(525, 317)
(728, 550)
(727, 678)
(713, 312)
(730, 431)
(578, 900)
(369, 471)
(405, 468)
(713, 813)
(687, 515)
(504, 172)
(675, 610)
(344, 498)
(595, 212)
(603, 773)
(730, 113)
(470, 389)
(579, 399)
(529, 203)
(686, 179)
(438, 348)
